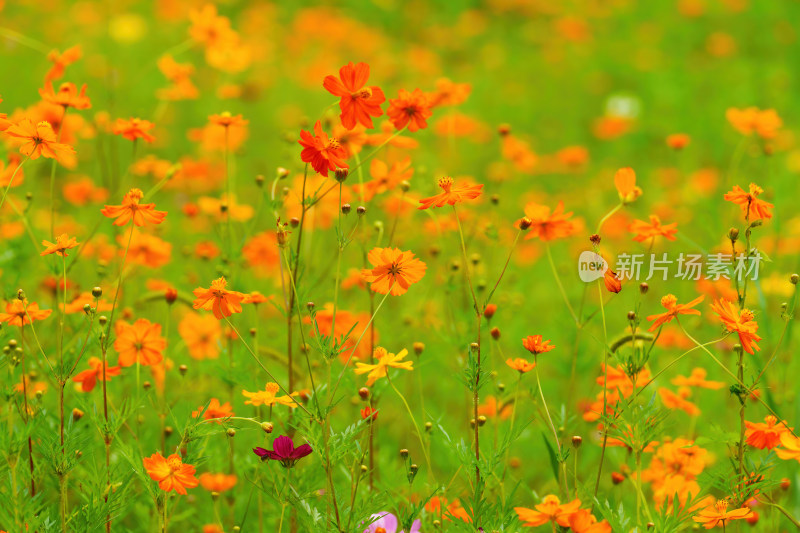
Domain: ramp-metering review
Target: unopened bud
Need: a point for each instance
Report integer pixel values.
(346, 209)
(577, 441)
(267, 427)
(183, 369)
(525, 223)
(363, 393)
(341, 174)
(97, 292)
(77, 414)
(231, 432)
(643, 288)
(361, 210)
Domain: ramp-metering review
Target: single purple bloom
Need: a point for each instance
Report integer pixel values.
(388, 523)
(284, 451)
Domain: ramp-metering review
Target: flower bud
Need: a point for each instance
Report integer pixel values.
(360, 210)
(231, 432)
(794, 279)
(643, 288)
(183, 369)
(495, 332)
(733, 234)
(525, 223)
(481, 420)
(97, 292)
(577, 440)
(77, 414)
(346, 209)
(403, 453)
(341, 174)
(171, 295)
(267, 427)
(259, 181)
(418, 348)
(489, 311)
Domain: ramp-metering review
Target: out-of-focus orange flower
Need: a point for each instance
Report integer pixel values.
(140, 342)
(145, 249)
(88, 378)
(131, 209)
(790, 447)
(392, 270)
(236, 211)
(323, 153)
(673, 309)
(573, 156)
(678, 401)
(550, 510)
(206, 250)
(389, 136)
(178, 74)
(697, 379)
(170, 473)
(385, 178)
(63, 243)
(226, 120)
(718, 514)
(214, 411)
(218, 299)
(678, 141)
(517, 151)
(385, 360)
(134, 128)
(625, 182)
(449, 93)
(766, 435)
(611, 127)
(61, 61)
(410, 109)
(520, 365)
(752, 206)
(644, 231)
(80, 192)
(536, 344)
(262, 253)
(451, 194)
(38, 140)
(208, 27)
(765, 123)
(67, 95)
(492, 407)
(583, 521)
(11, 170)
(219, 482)
(84, 298)
(740, 321)
(201, 334)
(546, 225)
(441, 507)
(21, 313)
(358, 103)
(269, 397)
(351, 140)
(348, 327)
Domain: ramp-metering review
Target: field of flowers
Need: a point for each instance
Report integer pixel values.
(291, 266)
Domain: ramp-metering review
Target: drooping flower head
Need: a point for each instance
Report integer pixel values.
(218, 299)
(740, 321)
(284, 451)
(131, 209)
(752, 206)
(359, 102)
(521, 365)
(451, 193)
(89, 378)
(170, 473)
(392, 270)
(323, 153)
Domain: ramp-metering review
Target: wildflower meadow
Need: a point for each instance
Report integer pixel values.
(370, 266)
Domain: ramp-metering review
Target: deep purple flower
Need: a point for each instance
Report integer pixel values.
(284, 451)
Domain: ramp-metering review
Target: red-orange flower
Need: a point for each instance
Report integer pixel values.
(548, 226)
(63, 243)
(766, 435)
(718, 514)
(38, 140)
(536, 345)
(358, 102)
(89, 378)
(134, 128)
(131, 209)
(21, 313)
(170, 473)
(739, 321)
(751, 205)
(323, 153)
(678, 141)
(409, 109)
(214, 411)
(670, 303)
(392, 270)
(218, 299)
(649, 230)
(550, 510)
(451, 194)
(139, 342)
(67, 95)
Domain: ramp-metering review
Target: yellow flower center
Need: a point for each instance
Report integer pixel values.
(333, 144)
(669, 301)
(722, 506)
(364, 93)
(446, 183)
(747, 315)
(174, 463)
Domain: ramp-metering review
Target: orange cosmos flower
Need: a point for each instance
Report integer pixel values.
(201, 334)
(67, 95)
(131, 209)
(358, 102)
(670, 303)
(6, 172)
(81, 192)
(80, 301)
(697, 379)
(546, 225)
(392, 270)
(765, 123)
(451, 194)
(718, 514)
(218, 299)
(625, 182)
(170, 473)
(61, 61)
(520, 365)
(346, 328)
(766, 435)
(38, 140)
(63, 243)
(88, 378)
(210, 28)
(493, 407)
(449, 93)
(644, 230)
(751, 205)
(535, 344)
(790, 447)
(134, 128)
(550, 510)
(323, 153)
(739, 321)
(269, 397)
(139, 342)
(678, 401)
(214, 411)
(409, 109)
(20, 313)
(219, 482)
(582, 521)
(385, 178)
(225, 120)
(678, 141)
(385, 360)
(612, 281)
